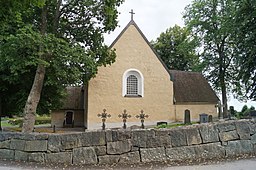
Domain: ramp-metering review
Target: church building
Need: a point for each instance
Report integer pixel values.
(137, 80)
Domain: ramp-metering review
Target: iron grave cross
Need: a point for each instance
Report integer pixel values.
(132, 13)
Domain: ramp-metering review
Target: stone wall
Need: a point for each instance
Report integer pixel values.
(205, 141)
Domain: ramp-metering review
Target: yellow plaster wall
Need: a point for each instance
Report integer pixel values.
(105, 90)
(195, 110)
(58, 116)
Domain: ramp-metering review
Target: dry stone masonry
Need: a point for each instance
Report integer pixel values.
(205, 141)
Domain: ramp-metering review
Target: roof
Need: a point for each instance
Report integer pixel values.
(74, 98)
(192, 87)
(132, 22)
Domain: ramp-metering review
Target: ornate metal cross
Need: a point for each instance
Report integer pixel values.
(132, 13)
(142, 117)
(124, 116)
(104, 116)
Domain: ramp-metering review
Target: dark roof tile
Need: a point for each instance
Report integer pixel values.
(192, 87)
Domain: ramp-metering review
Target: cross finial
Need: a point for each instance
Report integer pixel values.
(132, 13)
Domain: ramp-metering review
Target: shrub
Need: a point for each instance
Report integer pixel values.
(39, 121)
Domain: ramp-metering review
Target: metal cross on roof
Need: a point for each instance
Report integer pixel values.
(132, 13)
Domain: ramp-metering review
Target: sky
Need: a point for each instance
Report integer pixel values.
(153, 17)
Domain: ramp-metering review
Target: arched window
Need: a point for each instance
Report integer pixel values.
(133, 83)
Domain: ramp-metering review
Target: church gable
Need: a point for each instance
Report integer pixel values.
(131, 38)
(137, 80)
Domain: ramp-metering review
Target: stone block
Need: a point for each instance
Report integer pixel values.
(6, 154)
(109, 159)
(239, 147)
(5, 144)
(243, 130)
(62, 142)
(98, 138)
(227, 136)
(36, 157)
(209, 151)
(37, 145)
(69, 141)
(162, 132)
(17, 144)
(153, 154)
(21, 156)
(140, 137)
(61, 157)
(253, 139)
(178, 137)
(130, 158)
(33, 136)
(85, 139)
(111, 136)
(134, 148)
(252, 126)
(163, 138)
(54, 143)
(209, 133)
(119, 147)
(180, 153)
(117, 135)
(9, 135)
(86, 155)
(193, 136)
(155, 142)
(100, 150)
(226, 126)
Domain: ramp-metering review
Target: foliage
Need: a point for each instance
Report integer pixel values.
(177, 49)
(244, 113)
(246, 37)
(66, 37)
(39, 121)
(211, 21)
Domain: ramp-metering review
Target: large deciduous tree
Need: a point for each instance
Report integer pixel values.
(177, 49)
(245, 25)
(212, 21)
(61, 39)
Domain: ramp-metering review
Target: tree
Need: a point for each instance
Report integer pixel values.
(246, 38)
(177, 49)
(15, 89)
(211, 21)
(60, 39)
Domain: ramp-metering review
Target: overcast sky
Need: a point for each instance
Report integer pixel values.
(154, 17)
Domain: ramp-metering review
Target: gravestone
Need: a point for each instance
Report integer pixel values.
(203, 118)
(210, 118)
(187, 117)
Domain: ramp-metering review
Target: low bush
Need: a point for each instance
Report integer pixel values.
(39, 121)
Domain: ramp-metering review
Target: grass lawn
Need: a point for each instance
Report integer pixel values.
(172, 125)
(6, 124)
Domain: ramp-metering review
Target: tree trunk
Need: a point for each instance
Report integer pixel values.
(224, 99)
(0, 113)
(35, 92)
(33, 100)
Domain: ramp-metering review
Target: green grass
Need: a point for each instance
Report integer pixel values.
(6, 124)
(173, 125)
(15, 122)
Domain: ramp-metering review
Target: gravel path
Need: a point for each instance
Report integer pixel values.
(242, 164)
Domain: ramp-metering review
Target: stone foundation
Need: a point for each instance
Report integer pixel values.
(205, 141)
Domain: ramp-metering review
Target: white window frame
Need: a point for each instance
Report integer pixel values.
(140, 79)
